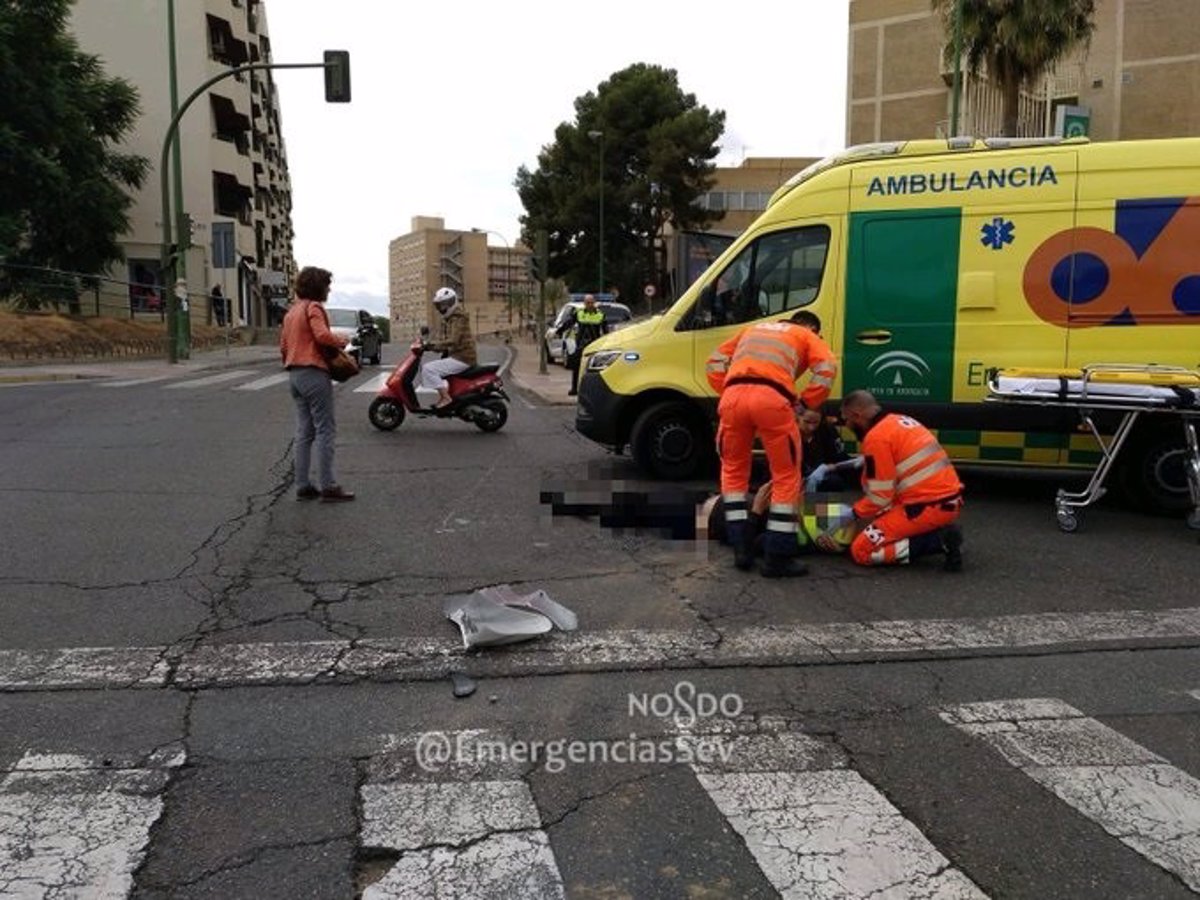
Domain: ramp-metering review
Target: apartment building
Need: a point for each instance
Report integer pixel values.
(235, 187)
(1136, 79)
(490, 279)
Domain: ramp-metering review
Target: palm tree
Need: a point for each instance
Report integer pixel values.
(1017, 40)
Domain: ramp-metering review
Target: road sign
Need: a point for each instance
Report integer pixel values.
(1072, 121)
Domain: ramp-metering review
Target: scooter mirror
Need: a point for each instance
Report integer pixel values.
(424, 331)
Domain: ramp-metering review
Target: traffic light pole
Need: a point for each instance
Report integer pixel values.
(177, 341)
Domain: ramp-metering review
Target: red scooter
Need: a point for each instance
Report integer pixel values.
(476, 395)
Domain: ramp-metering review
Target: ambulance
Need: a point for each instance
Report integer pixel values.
(931, 263)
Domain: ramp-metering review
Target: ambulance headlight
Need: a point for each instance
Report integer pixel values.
(602, 359)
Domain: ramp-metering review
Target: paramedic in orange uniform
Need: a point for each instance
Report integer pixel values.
(755, 375)
(911, 493)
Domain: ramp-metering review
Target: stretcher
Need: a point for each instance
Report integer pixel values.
(1132, 391)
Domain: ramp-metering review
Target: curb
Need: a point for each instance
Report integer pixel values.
(46, 376)
(519, 378)
(120, 368)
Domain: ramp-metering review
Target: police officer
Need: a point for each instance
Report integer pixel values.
(755, 374)
(911, 492)
(588, 324)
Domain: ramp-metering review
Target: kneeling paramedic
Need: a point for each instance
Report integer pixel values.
(911, 493)
(755, 374)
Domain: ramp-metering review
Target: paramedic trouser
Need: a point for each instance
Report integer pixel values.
(746, 410)
(903, 533)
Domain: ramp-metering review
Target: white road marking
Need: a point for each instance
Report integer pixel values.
(432, 657)
(1196, 693)
(209, 380)
(1130, 792)
(373, 385)
(130, 382)
(72, 827)
(458, 839)
(818, 829)
(259, 383)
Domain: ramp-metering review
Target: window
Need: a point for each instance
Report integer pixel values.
(779, 272)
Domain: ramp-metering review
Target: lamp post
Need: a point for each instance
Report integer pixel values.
(507, 269)
(957, 89)
(595, 134)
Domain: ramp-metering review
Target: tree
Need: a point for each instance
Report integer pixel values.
(63, 202)
(1018, 41)
(657, 145)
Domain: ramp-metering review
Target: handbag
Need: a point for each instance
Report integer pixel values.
(342, 366)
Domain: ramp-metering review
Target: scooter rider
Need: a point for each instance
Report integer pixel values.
(458, 342)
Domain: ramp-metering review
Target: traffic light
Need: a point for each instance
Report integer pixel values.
(337, 76)
(535, 267)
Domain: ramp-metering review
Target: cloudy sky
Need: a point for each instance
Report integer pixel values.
(449, 99)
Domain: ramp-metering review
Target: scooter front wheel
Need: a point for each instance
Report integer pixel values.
(386, 414)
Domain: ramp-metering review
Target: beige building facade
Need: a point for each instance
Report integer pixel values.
(236, 187)
(1136, 79)
(492, 281)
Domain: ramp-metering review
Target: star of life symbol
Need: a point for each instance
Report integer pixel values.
(997, 233)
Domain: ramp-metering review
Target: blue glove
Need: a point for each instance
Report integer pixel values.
(814, 478)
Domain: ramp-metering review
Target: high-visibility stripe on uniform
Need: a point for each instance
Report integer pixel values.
(912, 460)
(735, 507)
(782, 517)
(880, 486)
(922, 474)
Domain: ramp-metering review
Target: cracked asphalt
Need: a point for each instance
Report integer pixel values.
(208, 689)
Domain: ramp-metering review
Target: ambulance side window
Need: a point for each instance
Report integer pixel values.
(780, 271)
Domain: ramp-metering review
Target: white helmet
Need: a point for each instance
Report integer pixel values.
(445, 301)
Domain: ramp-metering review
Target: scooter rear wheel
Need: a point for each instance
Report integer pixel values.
(497, 415)
(386, 414)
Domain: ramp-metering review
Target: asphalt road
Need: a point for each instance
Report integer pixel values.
(208, 689)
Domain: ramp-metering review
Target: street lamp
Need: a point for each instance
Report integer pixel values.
(956, 91)
(594, 135)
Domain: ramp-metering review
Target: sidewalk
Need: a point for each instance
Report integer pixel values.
(551, 387)
(200, 361)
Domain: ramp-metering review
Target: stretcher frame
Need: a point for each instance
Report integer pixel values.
(1091, 399)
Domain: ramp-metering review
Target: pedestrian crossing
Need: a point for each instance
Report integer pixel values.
(467, 814)
(243, 380)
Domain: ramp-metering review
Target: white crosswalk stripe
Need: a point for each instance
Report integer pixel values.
(208, 380)
(818, 829)
(259, 383)
(372, 385)
(132, 382)
(467, 833)
(1133, 794)
(73, 827)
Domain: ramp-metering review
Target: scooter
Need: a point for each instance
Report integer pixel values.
(476, 395)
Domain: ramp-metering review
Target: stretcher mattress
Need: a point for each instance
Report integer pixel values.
(1175, 390)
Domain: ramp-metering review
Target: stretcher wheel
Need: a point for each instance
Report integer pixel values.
(1067, 521)
(1193, 520)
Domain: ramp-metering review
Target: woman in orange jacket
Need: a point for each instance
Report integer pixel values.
(302, 342)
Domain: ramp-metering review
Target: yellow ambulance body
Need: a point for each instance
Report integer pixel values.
(930, 263)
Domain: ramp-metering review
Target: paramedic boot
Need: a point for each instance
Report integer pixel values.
(779, 556)
(737, 531)
(952, 541)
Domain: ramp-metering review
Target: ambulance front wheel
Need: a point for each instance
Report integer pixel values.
(669, 441)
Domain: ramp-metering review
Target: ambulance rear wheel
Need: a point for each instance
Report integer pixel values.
(669, 441)
(1154, 472)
